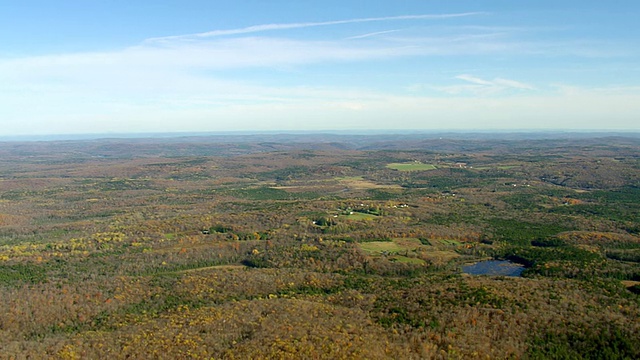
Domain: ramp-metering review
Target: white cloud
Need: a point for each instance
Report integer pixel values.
(506, 83)
(196, 82)
(372, 34)
(479, 86)
(287, 26)
(309, 108)
(474, 80)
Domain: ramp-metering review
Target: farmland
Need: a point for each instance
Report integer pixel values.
(411, 166)
(222, 247)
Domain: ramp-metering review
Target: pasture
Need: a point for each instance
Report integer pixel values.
(411, 166)
(358, 216)
(394, 246)
(378, 247)
(409, 250)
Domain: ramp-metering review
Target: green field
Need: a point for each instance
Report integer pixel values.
(358, 216)
(399, 246)
(376, 247)
(407, 260)
(411, 166)
(396, 245)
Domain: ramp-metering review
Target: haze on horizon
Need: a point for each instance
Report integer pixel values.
(77, 67)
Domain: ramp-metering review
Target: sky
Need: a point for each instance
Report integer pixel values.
(122, 66)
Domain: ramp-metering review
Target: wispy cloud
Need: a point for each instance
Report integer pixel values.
(286, 26)
(479, 86)
(474, 80)
(371, 34)
(178, 57)
(215, 80)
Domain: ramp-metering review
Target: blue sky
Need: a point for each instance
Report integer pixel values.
(70, 67)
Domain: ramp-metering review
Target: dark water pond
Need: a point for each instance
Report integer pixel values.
(494, 267)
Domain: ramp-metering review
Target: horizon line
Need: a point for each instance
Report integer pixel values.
(352, 132)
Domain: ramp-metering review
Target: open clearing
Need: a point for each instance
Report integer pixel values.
(399, 246)
(411, 166)
(407, 260)
(408, 243)
(440, 257)
(358, 216)
(218, 267)
(350, 182)
(357, 182)
(378, 247)
(396, 245)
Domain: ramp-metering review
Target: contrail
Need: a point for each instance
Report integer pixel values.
(270, 27)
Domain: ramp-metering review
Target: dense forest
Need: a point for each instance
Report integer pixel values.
(320, 246)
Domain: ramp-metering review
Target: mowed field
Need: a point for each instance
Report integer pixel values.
(358, 216)
(410, 250)
(379, 247)
(411, 166)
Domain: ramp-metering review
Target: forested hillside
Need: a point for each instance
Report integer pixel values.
(320, 247)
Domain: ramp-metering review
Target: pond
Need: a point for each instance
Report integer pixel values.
(494, 267)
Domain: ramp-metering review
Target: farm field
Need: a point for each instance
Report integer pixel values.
(411, 166)
(358, 216)
(379, 247)
(217, 247)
